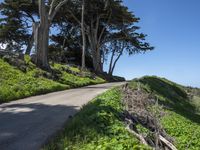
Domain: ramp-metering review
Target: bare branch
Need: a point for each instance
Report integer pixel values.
(52, 15)
(167, 143)
(28, 15)
(52, 7)
(140, 137)
(75, 18)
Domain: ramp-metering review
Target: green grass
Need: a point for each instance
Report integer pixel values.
(182, 114)
(16, 84)
(196, 102)
(98, 126)
(74, 80)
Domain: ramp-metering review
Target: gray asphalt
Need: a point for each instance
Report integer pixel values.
(28, 123)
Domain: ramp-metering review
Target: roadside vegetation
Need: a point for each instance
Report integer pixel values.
(98, 126)
(172, 111)
(24, 79)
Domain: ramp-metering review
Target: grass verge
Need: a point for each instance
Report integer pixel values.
(98, 126)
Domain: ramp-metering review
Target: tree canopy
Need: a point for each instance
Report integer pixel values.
(101, 29)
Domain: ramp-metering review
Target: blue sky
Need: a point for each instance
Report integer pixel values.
(173, 27)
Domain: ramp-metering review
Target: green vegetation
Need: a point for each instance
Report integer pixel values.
(28, 80)
(74, 78)
(98, 126)
(182, 113)
(196, 102)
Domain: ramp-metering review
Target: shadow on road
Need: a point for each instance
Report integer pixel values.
(27, 126)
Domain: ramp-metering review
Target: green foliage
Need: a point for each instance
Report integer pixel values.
(164, 87)
(15, 84)
(15, 23)
(98, 126)
(182, 115)
(77, 80)
(196, 102)
(185, 131)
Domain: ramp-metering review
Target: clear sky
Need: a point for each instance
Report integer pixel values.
(173, 27)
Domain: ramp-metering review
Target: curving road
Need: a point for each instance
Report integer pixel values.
(28, 123)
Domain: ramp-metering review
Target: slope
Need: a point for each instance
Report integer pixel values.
(21, 78)
(174, 114)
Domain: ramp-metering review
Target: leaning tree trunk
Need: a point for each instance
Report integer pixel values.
(111, 63)
(114, 64)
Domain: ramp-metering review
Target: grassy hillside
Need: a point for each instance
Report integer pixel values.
(101, 125)
(181, 107)
(28, 80)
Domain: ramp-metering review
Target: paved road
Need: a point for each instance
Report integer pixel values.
(27, 124)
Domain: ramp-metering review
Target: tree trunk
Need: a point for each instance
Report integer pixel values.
(96, 56)
(111, 63)
(41, 30)
(99, 67)
(97, 61)
(113, 67)
(83, 36)
(42, 46)
(42, 38)
(30, 45)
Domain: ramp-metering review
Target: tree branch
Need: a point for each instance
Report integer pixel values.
(140, 137)
(51, 7)
(167, 143)
(28, 15)
(104, 28)
(111, 62)
(75, 18)
(120, 54)
(53, 13)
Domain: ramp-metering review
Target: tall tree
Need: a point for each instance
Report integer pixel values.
(83, 35)
(99, 18)
(102, 15)
(41, 30)
(75, 14)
